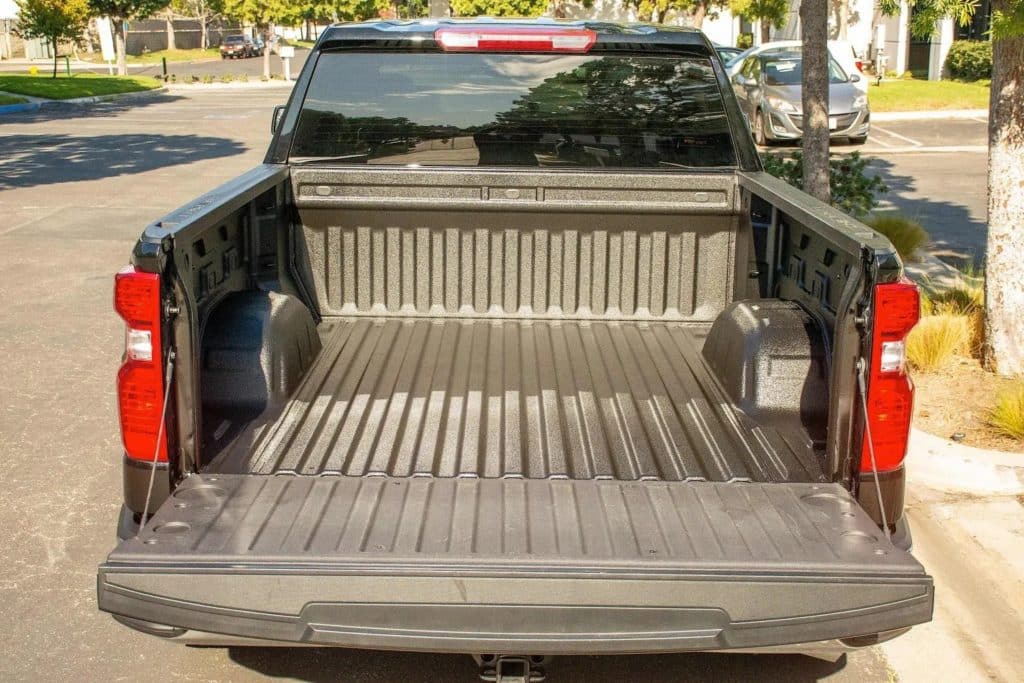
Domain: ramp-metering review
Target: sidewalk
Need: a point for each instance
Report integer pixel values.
(929, 115)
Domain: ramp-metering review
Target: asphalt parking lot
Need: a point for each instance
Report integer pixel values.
(76, 188)
(936, 174)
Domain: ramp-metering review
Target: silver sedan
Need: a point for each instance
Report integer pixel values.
(769, 93)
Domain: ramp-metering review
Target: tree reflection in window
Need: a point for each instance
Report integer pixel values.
(610, 111)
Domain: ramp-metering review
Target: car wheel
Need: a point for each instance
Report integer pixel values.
(858, 139)
(760, 133)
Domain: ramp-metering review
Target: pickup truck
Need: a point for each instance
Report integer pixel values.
(511, 348)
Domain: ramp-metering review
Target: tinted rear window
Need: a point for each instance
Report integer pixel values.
(234, 39)
(437, 109)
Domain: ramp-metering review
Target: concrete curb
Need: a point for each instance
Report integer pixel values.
(234, 85)
(945, 465)
(18, 108)
(883, 116)
(935, 275)
(37, 103)
(105, 98)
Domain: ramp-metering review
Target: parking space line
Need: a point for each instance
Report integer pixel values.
(896, 135)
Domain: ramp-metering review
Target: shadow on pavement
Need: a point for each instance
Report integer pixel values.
(31, 160)
(62, 110)
(956, 237)
(334, 664)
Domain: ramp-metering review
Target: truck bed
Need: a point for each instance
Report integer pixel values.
(621, 400)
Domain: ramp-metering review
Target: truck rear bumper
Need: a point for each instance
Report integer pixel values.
(555, 568)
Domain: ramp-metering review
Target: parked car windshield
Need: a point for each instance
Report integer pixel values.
(788, 70)
(234, 39)
(440, 109)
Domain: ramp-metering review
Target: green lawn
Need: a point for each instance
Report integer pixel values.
(79, 85)
(915, 95)
(195, 55)
(175, 56)
(10, 99)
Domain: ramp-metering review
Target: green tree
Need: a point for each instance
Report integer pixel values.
(699, 10)
(203, 11)
(499, 8)
(264, 14)
(53, 21)
(358, 10)
(120, 13)
(658, 11)
(771, 13)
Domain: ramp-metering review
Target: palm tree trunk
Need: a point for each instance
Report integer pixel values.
(700, 12)
(169, 19)
(266, 50)
(119, 45)
(1004, 253)
(814, 34)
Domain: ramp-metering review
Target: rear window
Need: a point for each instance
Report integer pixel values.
(234, 39)
(441, 109)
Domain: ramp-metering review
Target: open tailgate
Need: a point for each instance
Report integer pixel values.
(510, 565)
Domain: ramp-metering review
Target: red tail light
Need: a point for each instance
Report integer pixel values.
(515, 39)
(859, 64)
(140, 384)
(890, 395)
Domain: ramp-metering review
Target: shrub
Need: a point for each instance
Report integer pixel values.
(906, 234)
(965, 298)
(1008, 413)
(745, 40)
(207, 78)
(936, 340)
(852, 190)
(970, 60)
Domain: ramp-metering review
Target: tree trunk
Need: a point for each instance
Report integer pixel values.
(119, 46)
(54, 42)
(266, 50)
(700, 11)
(169, 19)
(1004, 254)
(766, 31)
(814, 34)
(841, 9)
(204, 32)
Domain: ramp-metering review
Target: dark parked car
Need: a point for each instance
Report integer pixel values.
(496, 353)
(239, 46)
(768, 89)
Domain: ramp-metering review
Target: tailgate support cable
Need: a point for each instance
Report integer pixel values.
(871, 446)
(159, 438)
